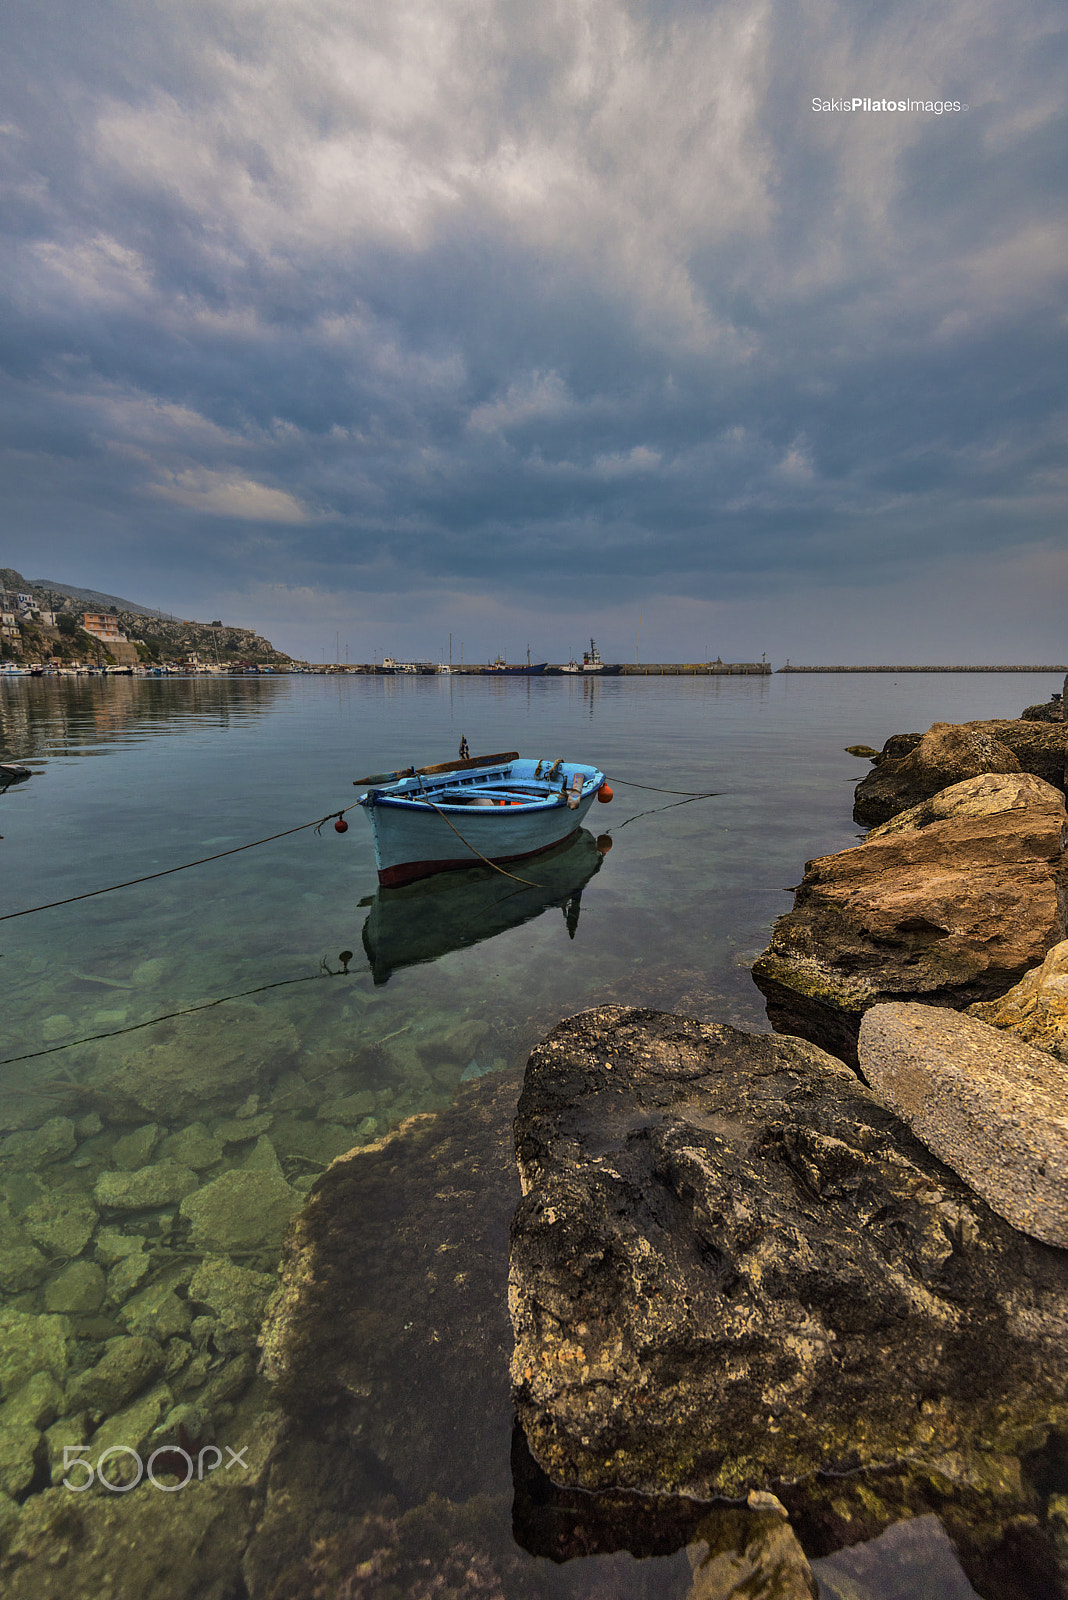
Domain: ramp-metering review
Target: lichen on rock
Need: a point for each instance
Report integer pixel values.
(732, 1268)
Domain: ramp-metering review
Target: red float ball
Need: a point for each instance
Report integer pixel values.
(604, 794)
(341, 826)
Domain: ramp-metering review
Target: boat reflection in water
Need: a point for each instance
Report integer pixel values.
(421, 921)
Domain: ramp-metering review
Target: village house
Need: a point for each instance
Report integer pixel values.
(105, 629)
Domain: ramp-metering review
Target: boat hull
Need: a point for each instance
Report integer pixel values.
(416, 839)
(523, 672)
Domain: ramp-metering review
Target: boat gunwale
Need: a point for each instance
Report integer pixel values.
(408, 793)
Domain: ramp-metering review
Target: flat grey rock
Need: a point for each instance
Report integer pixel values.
(990, 1106)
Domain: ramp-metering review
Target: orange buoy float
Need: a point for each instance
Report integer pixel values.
(604, 794)
(341, 826)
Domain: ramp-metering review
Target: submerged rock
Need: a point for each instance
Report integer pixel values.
(128, 1431)
(1035, 1009)
(207, 1060)
(145, 1190)
(21, 1451)
(390, 1322)
(22, 1265)
(31, 1344)
(61, 1223)
(912, 1560)
(39, 1147)
(134, 1149)
(733, 1268)
(77, 1289)
(991, 1107)
(241, 1211)
(192, 1146)
(159, 1311)
(951, 902)
(124, 1369)
(749, 1552)
(157, 1546)
(236, 1298)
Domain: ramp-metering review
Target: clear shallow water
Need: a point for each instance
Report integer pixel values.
(133, 776)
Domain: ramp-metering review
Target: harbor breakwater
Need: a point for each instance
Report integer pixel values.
(790, 668)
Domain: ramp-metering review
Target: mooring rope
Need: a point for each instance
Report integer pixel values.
(525, 881)
(167, 1016)
(655, 811)
(691, 794)
(148, 876)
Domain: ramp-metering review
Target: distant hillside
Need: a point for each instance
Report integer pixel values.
(157, 638)
(93, 597)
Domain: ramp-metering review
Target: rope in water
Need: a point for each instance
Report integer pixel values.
(148, 876)
(331, 816)
(167, 1016)
(691, 794)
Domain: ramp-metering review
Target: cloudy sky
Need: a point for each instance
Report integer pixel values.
(520, 320)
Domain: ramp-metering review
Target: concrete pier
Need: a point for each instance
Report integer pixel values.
(789, 668)
(684, 669)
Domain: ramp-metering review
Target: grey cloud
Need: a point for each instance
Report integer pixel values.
(441, 296)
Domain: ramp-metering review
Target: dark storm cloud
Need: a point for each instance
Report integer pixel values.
(470, 297)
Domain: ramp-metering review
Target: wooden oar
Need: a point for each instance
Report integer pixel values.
(442, 766)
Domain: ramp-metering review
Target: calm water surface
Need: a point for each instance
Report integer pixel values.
(134, 776)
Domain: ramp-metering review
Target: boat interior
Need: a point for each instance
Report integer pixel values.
(502, 786)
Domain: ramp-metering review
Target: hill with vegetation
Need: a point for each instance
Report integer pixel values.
(156, 637)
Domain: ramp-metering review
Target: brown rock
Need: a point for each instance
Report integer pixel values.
(952, 903)
(732, 1268)
(947, 754)
(989, 1106)
(1036, 1010)
(749, 1552)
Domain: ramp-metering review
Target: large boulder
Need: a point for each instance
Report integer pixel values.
(733, 1269)
(912, 769)
(991, 1107)
(950, 903)
(1035, 1009)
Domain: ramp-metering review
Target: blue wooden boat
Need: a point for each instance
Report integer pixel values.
(489, 808)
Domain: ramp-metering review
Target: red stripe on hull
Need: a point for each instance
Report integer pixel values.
(410, 871)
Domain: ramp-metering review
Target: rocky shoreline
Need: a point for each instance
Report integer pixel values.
(831, 1265)
(785, 1313)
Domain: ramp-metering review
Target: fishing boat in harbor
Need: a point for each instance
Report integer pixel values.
(496, 809)
(500, 665)
(591, 661)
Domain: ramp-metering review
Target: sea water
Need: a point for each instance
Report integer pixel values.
(248, 972)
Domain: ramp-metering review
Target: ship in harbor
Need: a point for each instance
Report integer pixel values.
(500, 665)
(591, 661)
